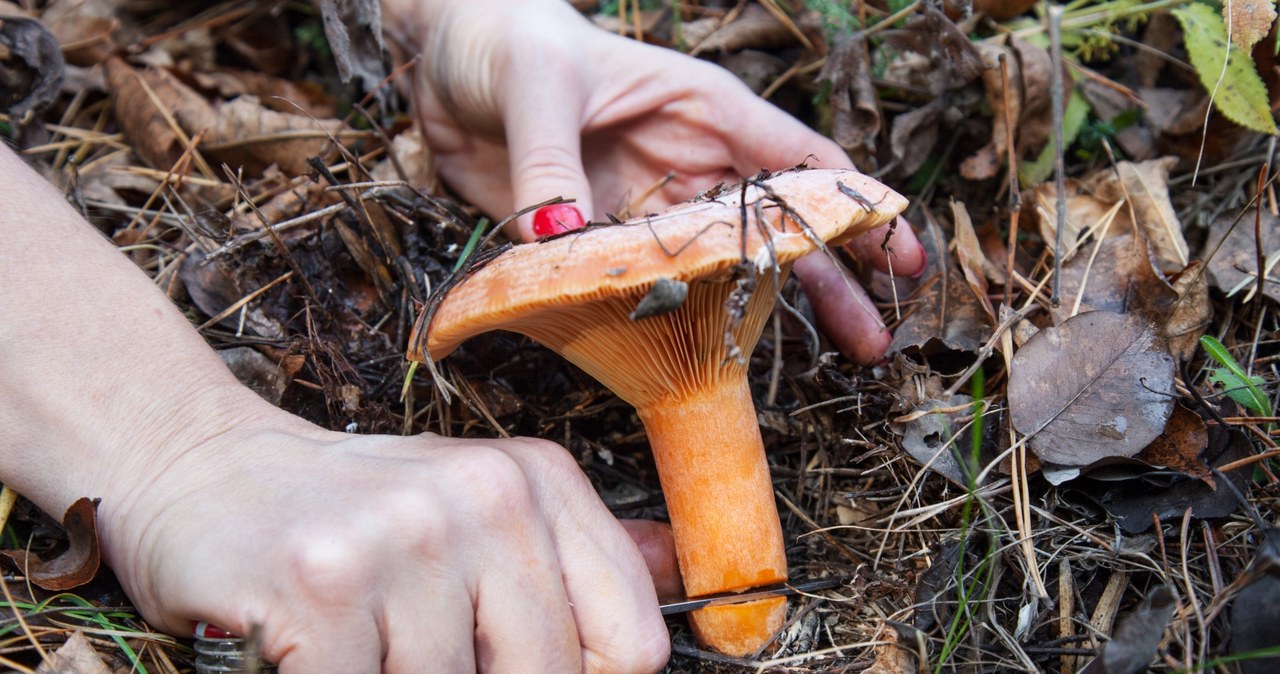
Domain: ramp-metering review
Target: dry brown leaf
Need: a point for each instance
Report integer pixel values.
(945, 57)
(84, 28)
(77, 565)
(1119, 277)
(1002, 10)
(913, 135)
(1098, 386)
(354, 31)
(143, 119)
(1248, 21)
(755, 28)
(1085, 213)
(1233, 263)
(946, 315)
(1180, 446)
(277, 93)
(411, 156)
(1145, 185)
(30, 68)
(1191, 313)
(76, 656)
(1035, 68)
(250, 135)
(891, 657)
(973, 264)
(855, 109)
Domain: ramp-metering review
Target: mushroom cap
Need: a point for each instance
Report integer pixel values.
(787, 214)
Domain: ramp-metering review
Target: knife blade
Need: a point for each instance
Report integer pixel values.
(779, 590)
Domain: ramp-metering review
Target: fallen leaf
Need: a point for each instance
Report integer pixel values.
(1119, 277)
(1255, 611)
(1002, 10)
(30, 67)
(1191, 313)
(973, 263)
(1134, 642)
(950, 59)
(892, 657)
(1085, 213)
(1225, 69)
(354, 31)
(855, 108)
(76, 656)
(1181, 446)
(77, 565)
(1232, 253)
(1099, 385)
(945, 316)
(1145, 187)
(914, 133)
(1248, 21)
(213, 290)
(143, 119)
(754, 28)
(251, 135)
(1136, 502)
(84, 28)
(934, 438)
(262, 375)
(276, 93)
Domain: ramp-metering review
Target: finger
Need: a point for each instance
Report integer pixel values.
(523, 618)
(902, 254)
(346, 641)
(605, 575)
(543, 120)
(658, 548)
(762, 136)
(430, 631)
(844, 312)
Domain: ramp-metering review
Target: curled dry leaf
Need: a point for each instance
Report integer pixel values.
(1255, 612)
(949, 59)
(1100, 385)
(1181, 446)
(1085, 213)
(973, 263)
(855, 109)
(77, 565)
(84, 28)
(30, 67)
(262, 375)
(944, 314)
(251, 135)
(354, 30)
(143, 118)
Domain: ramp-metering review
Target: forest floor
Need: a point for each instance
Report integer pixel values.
(990, 508)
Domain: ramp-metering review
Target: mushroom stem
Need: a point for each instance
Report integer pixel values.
(712, 466)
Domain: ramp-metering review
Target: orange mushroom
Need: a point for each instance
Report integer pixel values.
(664, 310)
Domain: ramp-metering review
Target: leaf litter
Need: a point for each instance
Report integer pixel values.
(1100, 524)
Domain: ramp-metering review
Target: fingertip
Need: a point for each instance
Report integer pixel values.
(902, 254)
(845, 314)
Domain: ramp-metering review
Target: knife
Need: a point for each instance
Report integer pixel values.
(779, 590)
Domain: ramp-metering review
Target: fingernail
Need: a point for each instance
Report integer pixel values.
(924, 262)
(204, 630)
(556, 219)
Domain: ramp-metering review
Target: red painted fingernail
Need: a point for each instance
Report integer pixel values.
(204, 630)
(555, 219)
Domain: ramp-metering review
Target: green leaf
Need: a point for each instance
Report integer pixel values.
(1238, 385)
(1035, 172)
(1238, 389)
(1238, 91)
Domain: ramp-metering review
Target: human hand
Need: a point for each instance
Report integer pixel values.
(392, 554)
(533, 86)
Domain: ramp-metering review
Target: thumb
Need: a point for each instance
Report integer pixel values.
(544, 142)
(659, 551)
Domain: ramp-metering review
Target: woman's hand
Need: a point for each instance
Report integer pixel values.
(579, 113)
(378, 553)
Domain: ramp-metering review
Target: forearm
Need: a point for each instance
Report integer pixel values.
(101, 378)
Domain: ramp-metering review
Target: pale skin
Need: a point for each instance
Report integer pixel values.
(374, 553)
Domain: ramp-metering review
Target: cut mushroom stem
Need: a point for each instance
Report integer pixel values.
(684, 368)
